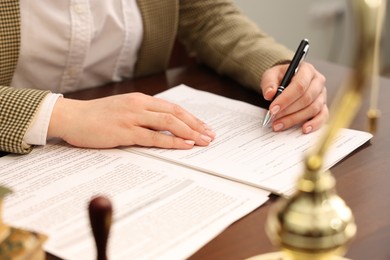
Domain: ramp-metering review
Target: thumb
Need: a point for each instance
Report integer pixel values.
(271, 79)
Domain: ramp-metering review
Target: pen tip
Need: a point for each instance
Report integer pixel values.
(266, 120)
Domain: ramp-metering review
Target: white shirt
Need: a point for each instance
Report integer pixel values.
(69, 45)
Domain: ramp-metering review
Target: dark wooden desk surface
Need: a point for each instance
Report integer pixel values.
(363, 178)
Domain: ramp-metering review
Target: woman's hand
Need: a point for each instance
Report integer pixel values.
(302, 102)
(124, 120)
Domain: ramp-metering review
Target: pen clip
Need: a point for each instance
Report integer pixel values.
(305, 51)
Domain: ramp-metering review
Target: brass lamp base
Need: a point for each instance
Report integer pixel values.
(22, 245)
(282, 256)
(16, 243)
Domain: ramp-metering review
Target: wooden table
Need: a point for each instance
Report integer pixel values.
(363, 178)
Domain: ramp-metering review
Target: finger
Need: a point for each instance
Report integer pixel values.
(316, 90)
(150, 138)
(316, 122)
(160, 105)
(285, 122)
(297, 88)
(271, 79)
(168, 122)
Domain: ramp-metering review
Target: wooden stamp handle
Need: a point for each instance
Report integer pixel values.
(100, 216)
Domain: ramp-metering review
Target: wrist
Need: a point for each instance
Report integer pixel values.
(60, 118)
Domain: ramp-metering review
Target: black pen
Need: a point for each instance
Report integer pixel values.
(299, 55)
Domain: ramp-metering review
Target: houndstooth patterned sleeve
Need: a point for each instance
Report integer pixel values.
(9, 39)
(17, 108)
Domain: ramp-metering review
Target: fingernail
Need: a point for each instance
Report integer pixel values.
(190, 142)
(210, 133)
(205, 138)
(268, 90)
(275, 109)
(308, 129)
(278, 127)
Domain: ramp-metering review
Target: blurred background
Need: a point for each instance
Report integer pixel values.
(326, 23)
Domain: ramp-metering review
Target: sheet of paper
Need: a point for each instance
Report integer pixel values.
(161, 210)
(243, 150)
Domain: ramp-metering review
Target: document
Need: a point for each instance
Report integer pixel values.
(167, 203)
(161, 210)
(243, 151)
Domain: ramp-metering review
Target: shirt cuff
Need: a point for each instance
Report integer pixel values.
(36, 133)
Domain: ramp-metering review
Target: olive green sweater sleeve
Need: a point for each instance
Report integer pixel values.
(219, 35)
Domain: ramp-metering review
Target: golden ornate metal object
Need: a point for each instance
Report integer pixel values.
(19, 244)
(373, 112)
(315, 223)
